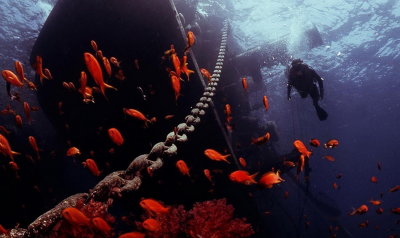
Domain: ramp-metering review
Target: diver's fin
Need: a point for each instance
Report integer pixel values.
(322, 114)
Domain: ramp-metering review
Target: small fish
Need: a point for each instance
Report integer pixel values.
(19, 68)
(137, 115)
(33, 143)
(11, 78)
(286, 195)
(206, 74)
(176, 63)
(302, 148)
(27, 111)
(288, 163)
(18, 120)
(107, 66)
(244, 83)
(395, 189)
(5, 148)
(215, 155)
(47, 73)
(375, 202)
(359, 211)
(14, 166)
(379, 211)
(228, 113)
(153, 207)
(266, 104)
(329, 158)
(207, 173)
(335, 186)
(331, 144)
(363, 224)
(261, 140)
(115, 62)
(191, 39)
(99, 54)
(243, 177)
(185, 69)
(176, 84)
(132, 235)
(120, 75)
(169, 117)
(92, 166)
(396, 210)
(315, 142)
(116, 136)
(242, 162)
(75, 217)
(101, 225)
(374, 179)
(183, 168)
(4, 130)
(94, 45)
(151, 224)
(95, 71)
(269, 179)
(39, 68)
(72, 151)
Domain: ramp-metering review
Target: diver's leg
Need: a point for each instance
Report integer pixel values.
(322, 114)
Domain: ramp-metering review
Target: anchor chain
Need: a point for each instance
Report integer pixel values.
(119, 182)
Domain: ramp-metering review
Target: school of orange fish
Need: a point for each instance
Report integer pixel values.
(96, 65)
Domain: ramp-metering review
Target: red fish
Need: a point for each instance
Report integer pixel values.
(191, 39)
(75, 217)
(266, 104)
(18, 120)
(4, 130)
(132, 235)
(288, 163)
(14, 166)
(5, 148)
(335, 186)
(92, 166)
(153, 207)
(176, 84)
(359, 211)
(47, 73)
(94, 45)
(101, 225)
(19, 68)
(374, 179)
(95, 71)
(243, 177)
(302, 148)
(107, 66)
(115, 62)
(315, 142)
(269, 179)
(242, 162)
(244, 83)
(228, 113)
(177, 64)
(33, 143)
(183, 168)
(375, 202)
(137, 115)
(207, 173)
(11, 78)
(27, 111)
(151, 224)
(331, 144)
(261, 140)
(215, 155)
(329, 158)
(396, 210)
(116, 136)
(73, 151)
(395, 189)
(206, 74)
(379, 211)
(39, 68)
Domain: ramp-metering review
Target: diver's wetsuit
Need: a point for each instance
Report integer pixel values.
(305, 79)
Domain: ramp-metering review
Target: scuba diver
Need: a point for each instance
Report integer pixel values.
(303, 78)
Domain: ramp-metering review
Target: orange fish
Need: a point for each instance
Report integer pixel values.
(99, 54)
(191, 39)
(94, 45)
(137, 114)
(75, 217)
(170, 51)
(115, 62)
(4, 130)
(32, 142)
(302, 148)
(207, 173)
(92, 166)
(14, 166)
(184, 67)
(359, 211)
(329, 158)
(120, 75)
(206, 74)
(261, 140)
(176, 84)
(107, 66)
(335, 186)
(11, 78)
(101, 225)
(18, 121)
(396, 210)
(95, 71)
(39, 68)
(315, 142)
(266, 104)
(363, 224)
(152, 206)
(288, 163)
(374, 179)
(244, 83)
(215, 155)
(73, 151)
(183, 168)
(375, 202)
(243, 177)
(5, 148)
(47, 73)
(176, 63)
(83, 82)
(27, 111)
(242, 162)
(395, 189)
(168, 117)
(116, 136)
(269, 179)
(379, 211)
(132, 235)
(19, 68)
(151, 224)
(331, 144)
(228, 113)
(301, 164)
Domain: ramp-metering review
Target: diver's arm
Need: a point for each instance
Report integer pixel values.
(321, 87)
